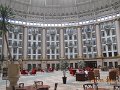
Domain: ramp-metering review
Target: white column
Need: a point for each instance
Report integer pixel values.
(98, 40)
(62, 53)
(117, 25)
(25, 42)
(43, 44)
(79, 38)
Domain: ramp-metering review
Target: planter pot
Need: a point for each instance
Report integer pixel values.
(13, 75)
(64, 80)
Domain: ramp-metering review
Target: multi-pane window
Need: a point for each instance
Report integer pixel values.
(34, 43)
(52, 41)
(70, 41)
(89, 41)
(108, 38)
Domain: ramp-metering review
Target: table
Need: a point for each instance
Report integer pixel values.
(39, 87)
(98, 89)
(80, 77)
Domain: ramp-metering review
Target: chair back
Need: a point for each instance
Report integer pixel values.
(21, 85)
(88, 85)
(112, 75)
(56, 84)
(91, 75)
(38, 83)
(97, 73)
(116, 87)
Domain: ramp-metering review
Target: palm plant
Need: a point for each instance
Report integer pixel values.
(64, 66)
(6, 13)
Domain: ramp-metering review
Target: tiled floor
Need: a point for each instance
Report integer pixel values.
(56, 77)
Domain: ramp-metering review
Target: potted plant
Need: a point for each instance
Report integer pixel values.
(81, 64)
(6, 14)
(64, 67)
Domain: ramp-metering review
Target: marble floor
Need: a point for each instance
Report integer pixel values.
(56, 77)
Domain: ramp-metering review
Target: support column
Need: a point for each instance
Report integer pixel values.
(43, 44)
(117, 25)
(62, 53)
(25, 42)
(43, 64)
(79, 38)
(98, 39)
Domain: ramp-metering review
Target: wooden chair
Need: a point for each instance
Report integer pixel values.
(112, 76)
(38, 83)
(116, 87)
(88, 85)
(21, 85)
(56, 84)
(91, 75)
(97, 74)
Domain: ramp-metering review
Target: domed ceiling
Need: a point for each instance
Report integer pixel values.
(61, 10)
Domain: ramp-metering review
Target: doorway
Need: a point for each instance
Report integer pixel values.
(91, 64)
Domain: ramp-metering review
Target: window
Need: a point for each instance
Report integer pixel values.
(57, 38)
(75, 37)
(15, 50)
(34, 51)
(113, 32)
(114, 39)
(29, 37)
(39, 51)
(48, 44)
(110, 64)
(48, 56)
(48, 51)
(88, 35)
(71, 50)
(20, 50)
(70, 37)
(84, 49)
(89, 49)
(39, 44)
(102, 33)
(34, 37)
(75, 43)
(65, 37)
(109, 48)
(52, 38)
(29, 51)
(57, 57)
(10, 35)
(57, 51)
(66, 50)
(53, 57)
(105, 63)
(93, 35)
(115, 53)
(110, 54)
(66, 44)
(94, 49)
(39, 38)
(53, 51)
(39, 56)
(104, 55)
(83, 36)
(114, 47)
(108, 32)
(15, 36)
(29, 44)
(48, 38)
(20, 36)
(34, 56)
(75, 50)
